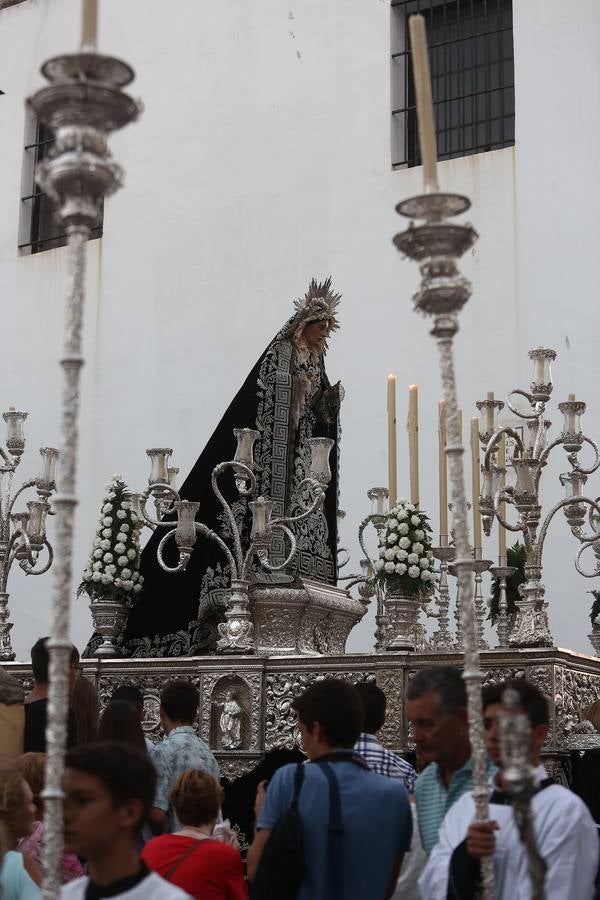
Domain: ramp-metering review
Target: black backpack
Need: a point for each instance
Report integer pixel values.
(281, 867)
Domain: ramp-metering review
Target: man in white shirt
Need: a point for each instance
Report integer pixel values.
(564, 830)
(109, 789)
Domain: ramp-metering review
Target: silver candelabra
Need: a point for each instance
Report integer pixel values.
(436, 243)
(22, 534)
(83, 102)
(529, 456)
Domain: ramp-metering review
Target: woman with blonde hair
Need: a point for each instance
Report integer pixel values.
(20, 874)
(32, 768)
(192, 859)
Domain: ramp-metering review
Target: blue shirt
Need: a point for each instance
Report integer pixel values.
(382, 761)
(180, 751)
(15, 883)
(434, 799)
(376, 820)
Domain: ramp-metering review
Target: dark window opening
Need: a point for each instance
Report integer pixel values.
(472, 78)
(43, 229)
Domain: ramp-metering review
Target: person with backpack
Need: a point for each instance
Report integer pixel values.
(330, 828)
(565, 833)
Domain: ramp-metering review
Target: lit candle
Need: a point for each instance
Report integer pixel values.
(501, 529)
(490, 412)
(392, 450)
(89, 24)
(443, 469)
(413, 442)
(475, 480)
(425, 118)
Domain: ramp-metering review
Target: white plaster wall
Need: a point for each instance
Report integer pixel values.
(263, 158)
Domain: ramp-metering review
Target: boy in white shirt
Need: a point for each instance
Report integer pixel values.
(109, 790)
(564, 830)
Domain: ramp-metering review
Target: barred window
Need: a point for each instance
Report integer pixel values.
(472, 74)
(39, 228)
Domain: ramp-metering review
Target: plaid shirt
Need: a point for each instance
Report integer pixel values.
(384, 762)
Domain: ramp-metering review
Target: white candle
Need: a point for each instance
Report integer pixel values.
(443, 469)
(89, 24)
(425, 118)
(490, 412)
(392, 448)
(475, 481)
(501, 529)
(413, 442)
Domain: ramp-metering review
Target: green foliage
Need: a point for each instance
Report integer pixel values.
(595, 610)
(515, 556)
(406, 527)
(112, 570)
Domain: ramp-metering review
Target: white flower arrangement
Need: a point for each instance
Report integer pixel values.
(405, 551)
(113, 568)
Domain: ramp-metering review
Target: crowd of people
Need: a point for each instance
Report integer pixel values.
(350, 820)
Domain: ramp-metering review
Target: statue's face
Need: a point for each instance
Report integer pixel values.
(315, 333)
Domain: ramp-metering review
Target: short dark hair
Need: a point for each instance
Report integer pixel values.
(126, 772)
(129, 693)
(40, 659)
(374, 703)
(179, 700)
(335, 704)
(121, 722)
(532, 701)
(445, 681)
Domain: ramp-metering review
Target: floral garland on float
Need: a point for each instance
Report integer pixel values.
(111, 577)
(405, 572)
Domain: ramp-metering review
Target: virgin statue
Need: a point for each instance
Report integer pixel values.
(288, 399)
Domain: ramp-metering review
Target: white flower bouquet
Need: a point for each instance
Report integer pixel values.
(112, 571)
(405, 554)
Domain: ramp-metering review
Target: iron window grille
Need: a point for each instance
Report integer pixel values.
(472, 73)
(42, 231)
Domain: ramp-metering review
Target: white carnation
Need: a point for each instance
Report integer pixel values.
(401, 554)
(389, 567)
(392, 538)
(403, 528)
(121, 537)
(125, 573)
(120, 548)
(424, 576)
(400, 568)
(121, 514)
(392, 523)
(106, 578)
(378, 566)
(424, 563)
(87, 575)
(97, 553)
(111, 494)
(108, 557)
(136, 575)
(127, 585)
(131, 553)
(413, 559)
(141, 579)
(97, 565)
(404, 542)
(410, 507)
(117, 582)
(126, 504)
(112, 569)
(105, 544)
(137, 588)
(414, 571)
(106, 533)
(124, 526)
(107, 508)
(107, 520)
(419, 534)
(96, 576)
(415, 520)
(97, 541)
(390, 554)
(402, 514)
(122, 561)
(417, 547)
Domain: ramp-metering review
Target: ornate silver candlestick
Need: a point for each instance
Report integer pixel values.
(528, 459)
(441, 639)
(378, 497)
(436, 244)
(83, 103)
(502, 572)
(22, 534)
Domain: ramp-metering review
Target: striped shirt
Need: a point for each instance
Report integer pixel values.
(384, 762)
(434, 799)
